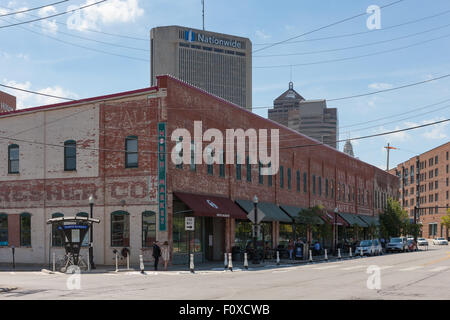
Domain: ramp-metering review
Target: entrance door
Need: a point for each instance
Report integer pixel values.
(215, 238)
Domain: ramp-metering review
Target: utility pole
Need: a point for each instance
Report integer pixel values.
(388, 148)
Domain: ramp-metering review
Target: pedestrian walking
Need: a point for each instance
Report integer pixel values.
(156, 254)
(317, 248)
(291, 247)
(165, 254)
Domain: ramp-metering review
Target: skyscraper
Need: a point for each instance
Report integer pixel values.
(348, 148)
(310, 117)
(218, 63)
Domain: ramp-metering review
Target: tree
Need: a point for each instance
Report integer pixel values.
(394, 220)
(445, 220)
(308, 220)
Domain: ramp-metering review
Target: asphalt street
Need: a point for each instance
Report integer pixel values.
(413, 275)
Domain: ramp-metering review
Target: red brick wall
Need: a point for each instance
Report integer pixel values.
(8, 100)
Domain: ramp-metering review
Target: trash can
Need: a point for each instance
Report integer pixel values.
(298, 251)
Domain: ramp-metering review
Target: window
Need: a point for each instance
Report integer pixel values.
(13, 159)
(148, 228)
(181, 238)
(131, 147)
(269, 177)
(210, 164)
(289, 178)
(305, 185)
(57, 236)
(281, 177)
(436, 160)
(179, 150)
(436, 172)
(86, 240)
(260, 176)
(436, 184)
(249, 170)
(298, 180)
(120, 229)
(320, 186)
(238, 168)
(193, 167)
(25, 230)
(222, 165)
(314, 184)
(3, 230)
(70, 155)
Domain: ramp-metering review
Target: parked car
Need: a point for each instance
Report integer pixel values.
(412, 245)
(422, 242)
(440, 241)
(397, 245)
(369, 248)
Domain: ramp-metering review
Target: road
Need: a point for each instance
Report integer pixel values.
(414, 275)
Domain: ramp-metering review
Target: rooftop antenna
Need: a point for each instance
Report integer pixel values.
(291, 73)
(203, 13)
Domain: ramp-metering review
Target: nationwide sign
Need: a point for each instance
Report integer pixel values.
(193, 37)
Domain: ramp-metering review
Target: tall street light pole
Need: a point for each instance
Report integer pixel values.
(255, 231)
(91, 249)
(335, 230)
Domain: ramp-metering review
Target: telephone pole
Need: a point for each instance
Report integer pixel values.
(388, 149)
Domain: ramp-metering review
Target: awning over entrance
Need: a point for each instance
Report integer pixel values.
(211, 206)
(329, 218)
(370, 220)
(300, 216)
(271, 211)
(353, 219)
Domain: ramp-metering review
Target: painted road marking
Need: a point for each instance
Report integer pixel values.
(385, 267)
(354, 268)
(327, 267)
(438, 269)
(411, 268)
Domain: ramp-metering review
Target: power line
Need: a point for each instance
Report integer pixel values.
(32, 9)
(353, 57)
(52, 16)
(34, 92)
(324, 27)
(353, 47)
(363, 32)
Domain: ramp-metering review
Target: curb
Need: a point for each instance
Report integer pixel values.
(5, 290)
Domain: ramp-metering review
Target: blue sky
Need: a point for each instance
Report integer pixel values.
(38, 62)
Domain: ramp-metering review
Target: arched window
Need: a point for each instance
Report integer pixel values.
(131, 148)
(13, 158)
(148, 228)
(3, 229)
(57, 237)
(85, 242)
(70, 155)
(25, 229)
(120, 229)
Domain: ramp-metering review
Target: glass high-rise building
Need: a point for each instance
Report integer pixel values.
(218, 63)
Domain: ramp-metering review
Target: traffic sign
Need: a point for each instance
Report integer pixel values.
(251, 216)
(189, 223)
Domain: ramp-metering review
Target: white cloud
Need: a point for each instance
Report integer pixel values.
(380, 86)
(262, 35)
(49, 26)
(401, 136)
(434, 132)
(113, 11)
(28, 100)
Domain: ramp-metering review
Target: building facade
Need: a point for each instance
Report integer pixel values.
(218, 63)
(7, 102)
(309, 117)
(118, 148)
(424, 183)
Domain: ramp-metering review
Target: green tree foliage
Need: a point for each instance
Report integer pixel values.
(445, 220)
(394, 221)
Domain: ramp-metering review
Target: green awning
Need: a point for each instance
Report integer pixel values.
(271, 211)
(353, 219)
(300, 216)
(370, 220)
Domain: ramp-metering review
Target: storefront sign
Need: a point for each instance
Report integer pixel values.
(162, 175)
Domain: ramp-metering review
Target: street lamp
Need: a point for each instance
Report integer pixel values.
(255, 231)
(335, 229)
(91, 249)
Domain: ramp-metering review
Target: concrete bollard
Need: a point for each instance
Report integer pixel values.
(225, 261)
(350, 253)
(245, 261)
(128, 261)
(310, 256)
(117, 262)
(88, 263)
(141, 263)
(339, 254)
(326, 255)
(361, 251)
(54, 261)
(230, 262)
(278, 258)
(191, 264)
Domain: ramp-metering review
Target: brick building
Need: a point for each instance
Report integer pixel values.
(424, 183)
(117, 148)
(7, 102)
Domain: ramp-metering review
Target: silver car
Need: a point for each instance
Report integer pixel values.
(369, 248)
(397, 245)
(422, 242)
